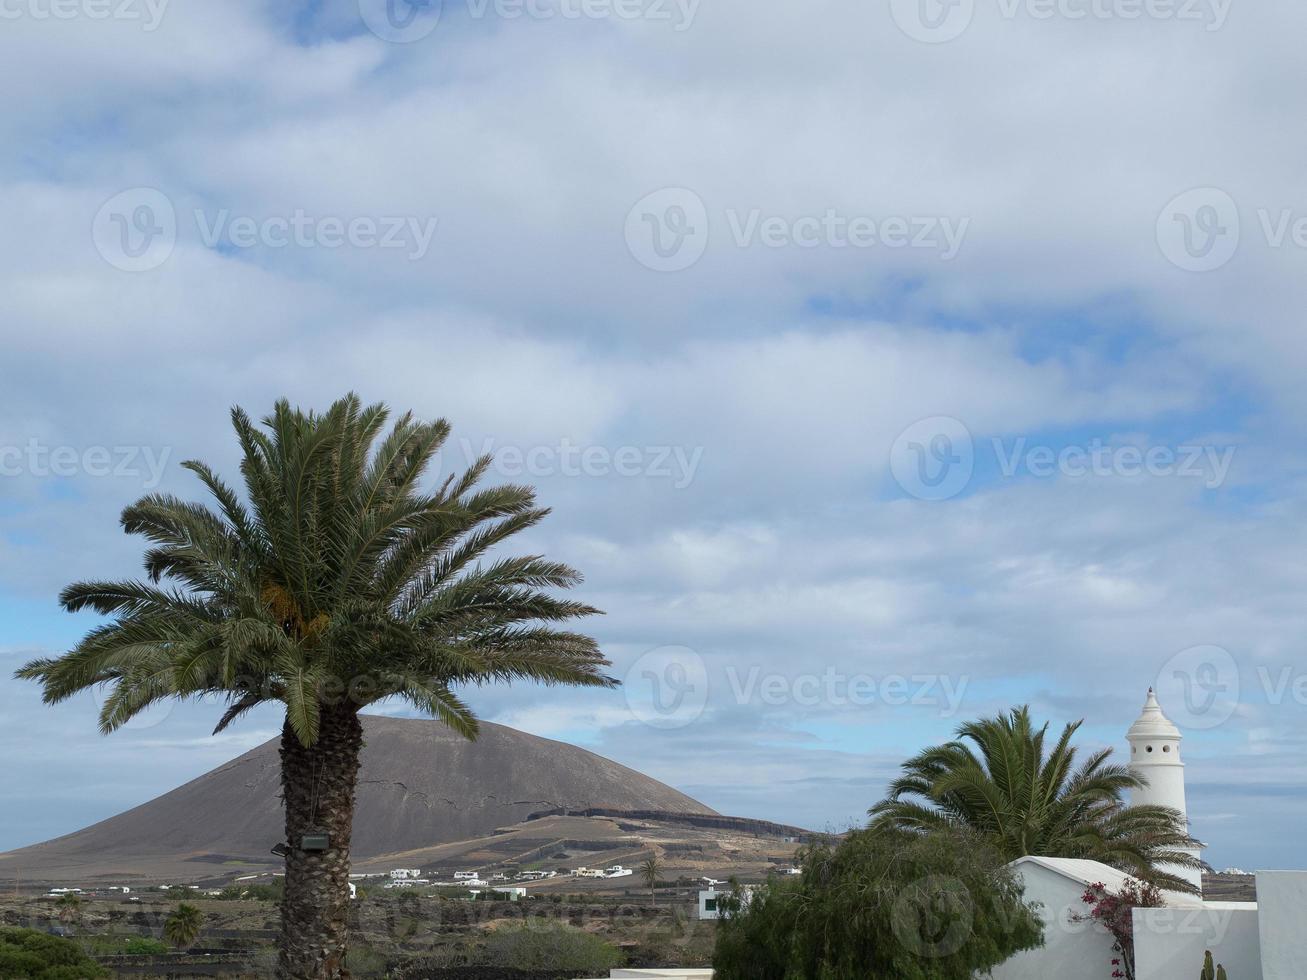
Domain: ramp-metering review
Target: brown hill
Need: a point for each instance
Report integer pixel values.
(420, 785)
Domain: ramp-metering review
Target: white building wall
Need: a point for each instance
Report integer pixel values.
(1282, 904)
(1170, 942)
(1072, 950)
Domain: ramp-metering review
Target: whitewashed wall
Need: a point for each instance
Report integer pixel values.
(1170, 942)
(1072, 950)
(1282, 905)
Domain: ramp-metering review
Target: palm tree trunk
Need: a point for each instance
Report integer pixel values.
(318, 789)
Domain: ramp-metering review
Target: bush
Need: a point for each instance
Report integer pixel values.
(253, 893)
(549, 946)
(882, 903)
(144, 946)
(29, 955)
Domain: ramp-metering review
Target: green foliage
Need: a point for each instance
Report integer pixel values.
(29, 955)
(1211, 971)
(254, 893)
(182, 927)
(549, 946)
(143, 946)
(882, 902)
(339, 579)
(998, 779)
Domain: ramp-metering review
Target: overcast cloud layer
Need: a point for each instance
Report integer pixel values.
(882, 370)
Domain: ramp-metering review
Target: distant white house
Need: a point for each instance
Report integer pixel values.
(466, 875)
(710, 900)
(402, 874)
(509, 893)
(617, 871)
(589, 873)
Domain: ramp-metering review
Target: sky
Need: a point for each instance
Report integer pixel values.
(886, 365)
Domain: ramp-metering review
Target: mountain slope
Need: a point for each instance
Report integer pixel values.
(420, 785)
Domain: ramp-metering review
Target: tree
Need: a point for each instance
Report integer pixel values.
(182, 927)
(339, 581)
(881, 903)
(997, 778)
(1114, 911)
(553, 947)
(650, 871)
(70, 908)
(37, 956)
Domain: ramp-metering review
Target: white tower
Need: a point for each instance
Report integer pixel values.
(1155, 755)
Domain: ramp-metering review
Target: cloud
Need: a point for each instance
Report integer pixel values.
(779, 539)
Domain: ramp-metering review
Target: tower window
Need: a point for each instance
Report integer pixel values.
(1150, 748)
(1166, 748)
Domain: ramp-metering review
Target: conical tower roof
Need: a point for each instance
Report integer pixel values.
(1152, 723)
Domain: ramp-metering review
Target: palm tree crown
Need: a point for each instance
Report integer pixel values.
(341, 579)
(998, 779)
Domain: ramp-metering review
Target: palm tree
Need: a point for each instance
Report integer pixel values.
(650, 871)
(182, 927)
(996, 778)
(340, 581)
(70, 908)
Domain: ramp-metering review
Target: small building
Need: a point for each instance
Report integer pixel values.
(617, 871)
(403, 874)
(466, 875)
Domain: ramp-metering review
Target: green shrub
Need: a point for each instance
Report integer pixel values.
(549, 946)
(882, 903)
(143, 946)
(29, 955)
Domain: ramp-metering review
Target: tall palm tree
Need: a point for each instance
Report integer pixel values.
(650, 871)
(996, 778)
(338, 582)
(182, 927)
